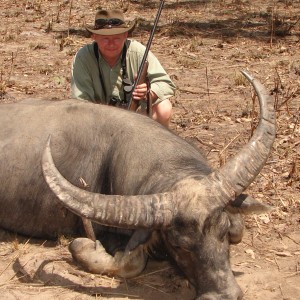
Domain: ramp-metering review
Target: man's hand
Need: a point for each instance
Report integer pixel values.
(140, 92)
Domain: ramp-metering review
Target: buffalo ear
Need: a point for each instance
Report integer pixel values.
(246, 205)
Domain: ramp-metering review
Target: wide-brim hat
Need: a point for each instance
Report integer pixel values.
(110, 22)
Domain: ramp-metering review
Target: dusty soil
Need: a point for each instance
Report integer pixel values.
(203, 45)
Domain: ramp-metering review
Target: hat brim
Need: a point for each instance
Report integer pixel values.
(112, 31)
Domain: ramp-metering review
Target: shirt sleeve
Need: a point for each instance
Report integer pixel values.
(82, 85)
(160, 82)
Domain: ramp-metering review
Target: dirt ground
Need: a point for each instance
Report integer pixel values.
(203, 45)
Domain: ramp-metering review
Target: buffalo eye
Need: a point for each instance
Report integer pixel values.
(218, 224)
(184, 234)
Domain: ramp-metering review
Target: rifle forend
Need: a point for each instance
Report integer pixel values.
(143, 78)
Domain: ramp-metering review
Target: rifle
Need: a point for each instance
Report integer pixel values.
(142, 72)
(133, 105)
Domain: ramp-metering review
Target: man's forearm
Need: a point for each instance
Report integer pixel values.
(153, 96)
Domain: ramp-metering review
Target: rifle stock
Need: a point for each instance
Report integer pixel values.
(143, 78)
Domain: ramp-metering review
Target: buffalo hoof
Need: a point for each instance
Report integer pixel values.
(93, 257)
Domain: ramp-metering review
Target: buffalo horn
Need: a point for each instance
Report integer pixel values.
(141, 211)
(230, 180)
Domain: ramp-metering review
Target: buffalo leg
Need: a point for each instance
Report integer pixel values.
(93, 257)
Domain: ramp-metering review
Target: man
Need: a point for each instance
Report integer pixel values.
(101, 69)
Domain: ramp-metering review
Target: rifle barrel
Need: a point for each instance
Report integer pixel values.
(146, 50)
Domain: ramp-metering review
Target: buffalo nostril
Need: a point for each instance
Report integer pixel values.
(240, 294)
(240, 297)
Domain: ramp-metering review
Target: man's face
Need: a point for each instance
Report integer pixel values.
(110, 46)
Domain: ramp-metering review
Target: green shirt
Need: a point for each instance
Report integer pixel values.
(86, 83)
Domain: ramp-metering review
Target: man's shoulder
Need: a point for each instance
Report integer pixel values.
(136, 47)
(86, 50)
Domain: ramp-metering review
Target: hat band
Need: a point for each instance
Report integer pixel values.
(108, 23)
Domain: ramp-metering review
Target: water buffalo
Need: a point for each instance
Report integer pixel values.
(156, 189)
